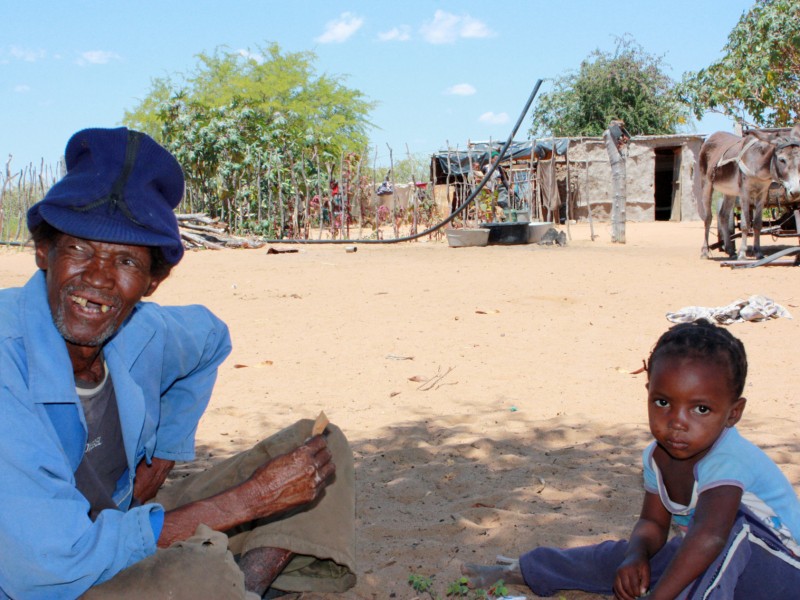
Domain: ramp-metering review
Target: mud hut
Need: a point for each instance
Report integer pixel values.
(660, 181)
(566, 178)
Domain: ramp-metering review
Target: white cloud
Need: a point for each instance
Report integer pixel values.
(493, 118)
(473, 28)
(97, 57)
(339, 30)
(461, 89)
(26, 54)
(22, 88)
(447, 28)
(395, 34)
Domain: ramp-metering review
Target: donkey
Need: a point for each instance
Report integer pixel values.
(745, 167)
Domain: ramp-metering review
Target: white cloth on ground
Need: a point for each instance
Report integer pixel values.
(755, 308)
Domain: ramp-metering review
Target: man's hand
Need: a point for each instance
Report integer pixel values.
(632, 578)
(292, 479)
(149, 478)
(284, 483)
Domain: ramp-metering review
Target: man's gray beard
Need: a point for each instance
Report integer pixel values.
(58, 320)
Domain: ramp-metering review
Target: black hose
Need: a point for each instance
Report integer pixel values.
(454, 214)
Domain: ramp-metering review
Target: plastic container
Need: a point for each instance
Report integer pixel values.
(460, 238)
(521, 215)
(507, 233)
(537, 230)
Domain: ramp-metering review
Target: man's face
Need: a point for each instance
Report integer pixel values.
(92, 287)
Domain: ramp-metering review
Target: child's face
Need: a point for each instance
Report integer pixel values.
(690, 403)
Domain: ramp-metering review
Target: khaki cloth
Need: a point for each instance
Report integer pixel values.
(322, 536)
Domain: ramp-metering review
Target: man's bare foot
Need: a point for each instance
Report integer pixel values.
(484, 576)
(261, 566)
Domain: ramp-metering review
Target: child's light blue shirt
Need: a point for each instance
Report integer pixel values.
(733, 460)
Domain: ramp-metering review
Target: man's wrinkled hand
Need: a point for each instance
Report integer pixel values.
(292, 479)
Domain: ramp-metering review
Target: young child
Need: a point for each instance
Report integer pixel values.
(739, 515)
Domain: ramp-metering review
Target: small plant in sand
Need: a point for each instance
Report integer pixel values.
(457, 589)
(422, 584)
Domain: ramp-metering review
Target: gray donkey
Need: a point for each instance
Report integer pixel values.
(745, 167)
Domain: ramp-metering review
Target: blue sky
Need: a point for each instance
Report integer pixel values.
(441, 72)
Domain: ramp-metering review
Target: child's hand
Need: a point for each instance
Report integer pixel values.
(632, 578)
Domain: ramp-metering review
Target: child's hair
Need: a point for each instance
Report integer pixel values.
(703, 340)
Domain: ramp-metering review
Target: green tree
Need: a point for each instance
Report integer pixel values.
(225, 147)
(147, 115)
(759, 75)
(255, 134)
(627, 84)
(283, 86)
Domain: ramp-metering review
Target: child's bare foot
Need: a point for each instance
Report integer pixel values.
(484, 576)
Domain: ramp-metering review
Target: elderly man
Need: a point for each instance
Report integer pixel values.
(100, 393)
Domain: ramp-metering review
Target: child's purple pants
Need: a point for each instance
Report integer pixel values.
(754, 565)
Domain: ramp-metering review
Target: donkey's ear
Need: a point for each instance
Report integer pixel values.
(764, 136)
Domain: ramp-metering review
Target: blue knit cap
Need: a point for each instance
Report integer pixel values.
(121, 187)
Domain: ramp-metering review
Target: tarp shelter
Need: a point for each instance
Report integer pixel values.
(456, 164)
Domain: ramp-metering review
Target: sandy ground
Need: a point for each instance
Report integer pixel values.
(486, 392)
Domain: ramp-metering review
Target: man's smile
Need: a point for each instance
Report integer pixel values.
(87, 316)
(90, 305)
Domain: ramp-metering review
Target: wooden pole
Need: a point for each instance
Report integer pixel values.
(557, 220)
(472, 184)
(306, 194)
(319, 189)
(414, 183)
(569, 195)
(394, 192)
(270, 201)
(341, 199)
(377, 204)
(296, 194)
(6, 184)
(329, 171)
(258, 190)
(447, 180)
(495, 190)
(619, 198)
(539, 203)
(532, 186)
(588, 201)
(347, 199)
(359, 193)
(280, 205)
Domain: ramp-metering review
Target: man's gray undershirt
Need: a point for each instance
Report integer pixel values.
(104, 461)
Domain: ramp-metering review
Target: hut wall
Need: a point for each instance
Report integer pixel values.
(590, 173)
(691, 185)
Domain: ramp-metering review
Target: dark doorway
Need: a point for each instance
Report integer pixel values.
(666, 181)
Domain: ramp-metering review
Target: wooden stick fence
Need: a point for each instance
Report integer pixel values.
(277, 195)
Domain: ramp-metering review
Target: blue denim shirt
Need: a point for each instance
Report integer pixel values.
(163, 362)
